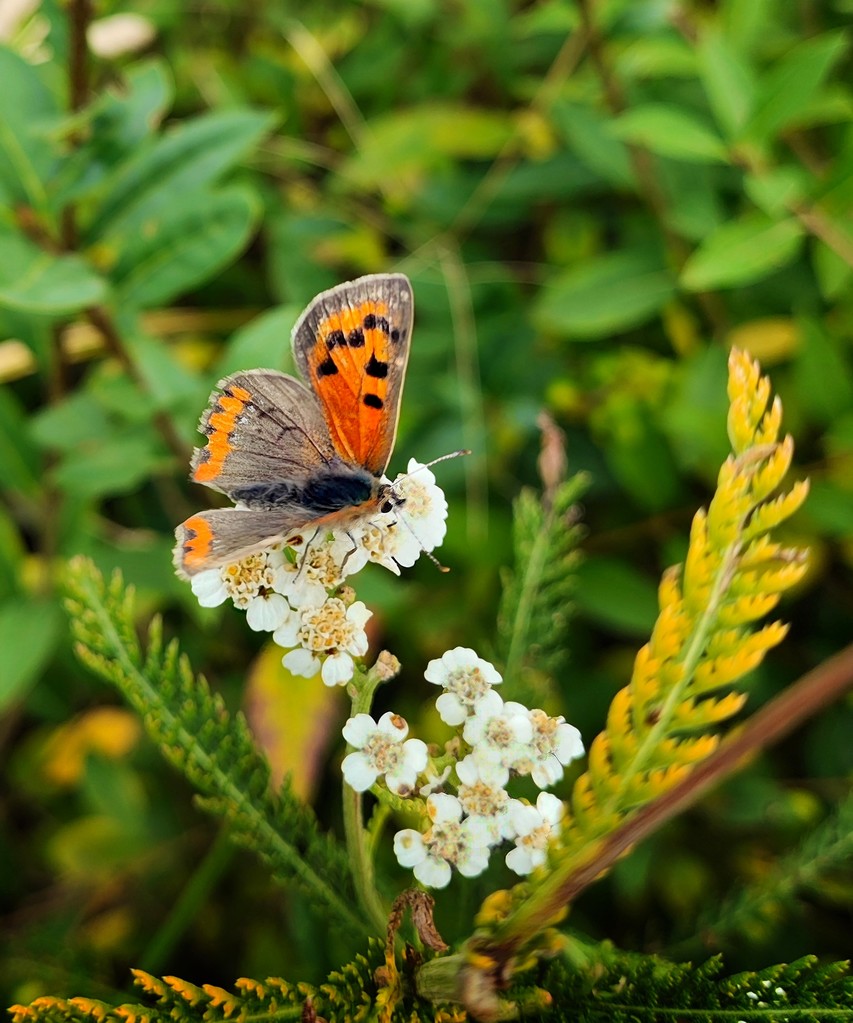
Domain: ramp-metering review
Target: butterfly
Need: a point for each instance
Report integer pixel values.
(295, 457)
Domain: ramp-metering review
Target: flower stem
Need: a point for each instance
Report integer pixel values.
(362, 689)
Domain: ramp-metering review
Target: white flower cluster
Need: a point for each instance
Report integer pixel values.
(504, 740)
(301, 599)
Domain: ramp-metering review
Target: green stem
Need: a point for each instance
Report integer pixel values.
(357, 838)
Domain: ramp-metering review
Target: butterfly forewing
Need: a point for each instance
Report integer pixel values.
(352, 345)
(222, 536)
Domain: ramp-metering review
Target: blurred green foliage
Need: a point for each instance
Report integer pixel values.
(593, 202)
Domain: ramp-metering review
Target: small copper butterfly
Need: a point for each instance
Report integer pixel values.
(295, 457)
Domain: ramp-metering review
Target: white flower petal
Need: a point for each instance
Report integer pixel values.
(392, 725)
(209, 588)
(433, 872)
(519, 860)
(358, 771)
(267, 613)
(550, 807)
(338, 669)
(287, 634)
(442, 807)
(409, 848)
(301, 662)
(450, 709)
(358, 729)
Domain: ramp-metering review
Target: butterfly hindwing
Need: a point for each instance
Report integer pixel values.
(262, 426)
(210, 539)
(352, 344)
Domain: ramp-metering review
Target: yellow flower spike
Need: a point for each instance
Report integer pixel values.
(769, 475)
(746, 609)
(495, 907)
(768, 429)
(772, 513)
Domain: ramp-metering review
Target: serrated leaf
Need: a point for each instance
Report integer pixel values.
(29, 631)
(742, 252)
(35, 281)
(27, 157)
(670, 131)
(184, 245)
(179, 165)
(792, 84)
(608, 294)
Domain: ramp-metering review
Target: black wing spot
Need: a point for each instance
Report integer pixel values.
(383, 324)
(373, 401)
(335, 337)
(356, 338)
(376, 368)
(395, 334)
(327, 368)
(369, 322)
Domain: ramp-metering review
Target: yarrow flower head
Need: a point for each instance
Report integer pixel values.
(382, 750)
(554, 744)
(450, 841)
(500, 734)
(466, 679)
(325, 639)
(535, 827)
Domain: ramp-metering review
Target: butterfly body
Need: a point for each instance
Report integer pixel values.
(296, 456)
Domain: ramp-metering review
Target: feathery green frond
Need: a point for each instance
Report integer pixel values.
(620, 987)
(756, 908)
(212, 748)
(537, 595)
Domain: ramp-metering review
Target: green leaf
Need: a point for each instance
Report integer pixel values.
(614, 594)
(608, 294)
(408, 144)
(177, 167)
(777, 189)
(116, 465)
(791, 85)
(27, 157)
(29, 631)
(823, 376)
(35, 281)
(670, 131)
(588, 135)
(185, 245)
(742, 252)
(265, 341)
(22, 468)
(657, 56)
(728, 80)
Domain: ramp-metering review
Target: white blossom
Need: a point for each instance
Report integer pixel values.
(242, 581)
(382, 750)
(450, 841)
(554, 744)
(325, 639)
(534, 827)
(484, 800)
(466, 679)
(499, 734)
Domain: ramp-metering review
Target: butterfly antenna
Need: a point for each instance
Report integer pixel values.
(402, 518)
(429, 554)
(435, 461)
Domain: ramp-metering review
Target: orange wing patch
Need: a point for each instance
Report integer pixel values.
(349, 367)
(197, 542)
(220, 425)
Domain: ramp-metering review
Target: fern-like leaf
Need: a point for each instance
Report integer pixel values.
(213, 749)
(537, 595)
(704, 640)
